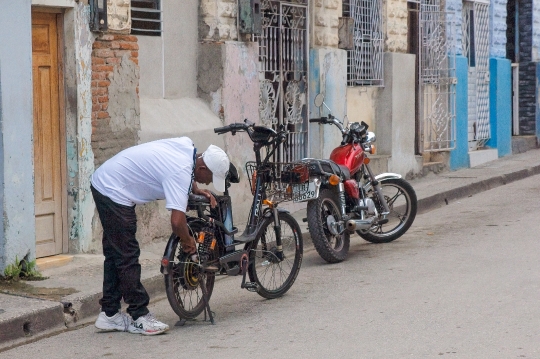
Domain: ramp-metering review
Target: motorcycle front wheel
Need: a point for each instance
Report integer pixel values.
(276, 272)
(322, 214)
(401, 199)
(184, 280)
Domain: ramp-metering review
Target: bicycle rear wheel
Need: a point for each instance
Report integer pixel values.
(274, 277)
(183, 283)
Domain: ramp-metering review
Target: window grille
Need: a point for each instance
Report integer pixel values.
(365, 61)
(146, 17)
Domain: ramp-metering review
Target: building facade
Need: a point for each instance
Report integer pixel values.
(443, 84)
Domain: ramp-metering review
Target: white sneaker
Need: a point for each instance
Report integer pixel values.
(147, 325)
(120, 321)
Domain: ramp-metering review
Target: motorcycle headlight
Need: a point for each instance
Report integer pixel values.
(371, 137)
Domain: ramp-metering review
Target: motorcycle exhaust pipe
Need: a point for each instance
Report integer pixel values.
(356, 224)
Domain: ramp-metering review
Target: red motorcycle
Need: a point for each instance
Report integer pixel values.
(344, 196)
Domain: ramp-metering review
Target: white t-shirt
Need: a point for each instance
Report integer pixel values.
(155, 170)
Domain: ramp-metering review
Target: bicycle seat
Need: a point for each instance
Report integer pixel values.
(197, 199)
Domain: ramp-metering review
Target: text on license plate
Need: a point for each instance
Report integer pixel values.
(304, 191)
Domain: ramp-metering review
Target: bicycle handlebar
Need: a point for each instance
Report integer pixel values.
(319, 120)
(233, 127)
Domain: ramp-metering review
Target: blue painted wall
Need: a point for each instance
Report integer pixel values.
(537, 101)
(17, 235)
(459, 157)
(500, 106)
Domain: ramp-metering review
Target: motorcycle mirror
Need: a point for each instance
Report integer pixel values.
(319, 100)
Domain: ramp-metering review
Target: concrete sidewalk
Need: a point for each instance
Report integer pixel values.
(69, 297)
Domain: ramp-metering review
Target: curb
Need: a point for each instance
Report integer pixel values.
(441, 199)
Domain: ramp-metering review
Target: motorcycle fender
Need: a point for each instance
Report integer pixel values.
(173, 240)
(387, 176)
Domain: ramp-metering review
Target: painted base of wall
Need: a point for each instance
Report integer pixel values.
(479, 157)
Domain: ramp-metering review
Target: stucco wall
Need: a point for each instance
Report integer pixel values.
(80, 157)
(497, 15)
(536, 31)
(454, 9)
(229, 84)
(395, 115)
(361, 105)
(168, 63)
(325, 16)
(17, 230)
(328, 72)
(395, 23)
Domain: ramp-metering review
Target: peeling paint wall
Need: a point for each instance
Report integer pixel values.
(17, 238)
(328, 75)
(228, 80)
(218, 20)
(80, 158)
(115, 103)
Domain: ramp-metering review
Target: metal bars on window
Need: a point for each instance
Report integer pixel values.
(476, 50)
(283, 69)
(365, 61)
(437, 77)
(146, 17)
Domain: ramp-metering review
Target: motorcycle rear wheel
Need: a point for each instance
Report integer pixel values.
(401, 199)
(183, 284)
(333, 248)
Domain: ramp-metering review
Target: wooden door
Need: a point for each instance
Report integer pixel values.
(47, 135)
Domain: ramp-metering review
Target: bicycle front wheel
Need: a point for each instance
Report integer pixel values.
(275, 273)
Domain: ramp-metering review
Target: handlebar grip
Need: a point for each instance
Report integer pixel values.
(230, 128)
(220, 130)
(320, 120)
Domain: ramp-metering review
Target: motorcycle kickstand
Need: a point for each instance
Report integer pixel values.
(206, 300)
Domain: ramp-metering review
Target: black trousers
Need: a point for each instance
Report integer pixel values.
(121, 269)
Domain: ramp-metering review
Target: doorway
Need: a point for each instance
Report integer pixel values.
(49, 131)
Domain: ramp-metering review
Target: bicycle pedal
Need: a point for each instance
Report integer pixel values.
(251, 286)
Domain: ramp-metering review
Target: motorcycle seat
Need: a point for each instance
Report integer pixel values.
(341, 170)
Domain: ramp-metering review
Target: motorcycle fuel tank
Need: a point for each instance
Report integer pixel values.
(350, 155)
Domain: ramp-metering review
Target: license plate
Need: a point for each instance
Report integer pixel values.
(305, 191)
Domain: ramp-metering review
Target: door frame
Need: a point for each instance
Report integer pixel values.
(62, 116)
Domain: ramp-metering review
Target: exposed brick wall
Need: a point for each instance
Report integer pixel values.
(115, 89)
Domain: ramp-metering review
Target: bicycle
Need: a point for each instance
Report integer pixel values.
(272, 242)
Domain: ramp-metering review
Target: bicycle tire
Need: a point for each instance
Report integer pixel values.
(263, 263)
(184, 292)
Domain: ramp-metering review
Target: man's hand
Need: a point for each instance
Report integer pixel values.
(180, 228)
(204, 192)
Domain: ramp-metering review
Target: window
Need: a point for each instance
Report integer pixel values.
(365, 61)
(146, 17)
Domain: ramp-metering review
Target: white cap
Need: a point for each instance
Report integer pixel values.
(217, 161)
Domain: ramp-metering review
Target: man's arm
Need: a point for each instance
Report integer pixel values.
(180, 228)
(203, 192)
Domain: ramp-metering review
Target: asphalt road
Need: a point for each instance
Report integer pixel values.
(464, 282)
